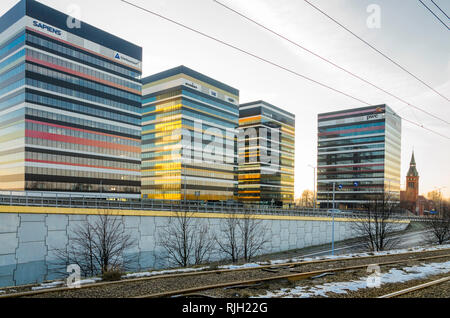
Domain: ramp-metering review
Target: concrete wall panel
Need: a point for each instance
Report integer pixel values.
(28, 241)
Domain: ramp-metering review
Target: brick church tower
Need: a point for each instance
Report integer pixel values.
(412, 183)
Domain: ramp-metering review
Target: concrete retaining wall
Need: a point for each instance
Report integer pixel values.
(28, 241)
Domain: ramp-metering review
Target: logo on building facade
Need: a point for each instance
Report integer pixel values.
(47, 28)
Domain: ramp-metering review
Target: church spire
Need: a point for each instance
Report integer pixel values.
(412, 172)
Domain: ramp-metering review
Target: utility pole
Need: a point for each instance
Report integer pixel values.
(332, 227)
(334, 189)
(333, 212)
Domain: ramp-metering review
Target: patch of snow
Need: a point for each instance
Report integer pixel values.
(393, 276)
(281, 261)
(382, 253)
(248, 265)
(2, 292)
(170, 271)
(60, 283)
(48, 285)
(89, 281)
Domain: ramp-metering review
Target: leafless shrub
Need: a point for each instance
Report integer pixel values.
(242, 237)
(438, 227)
(97, 246)
(253, 236)
(376, 226)
(227, 239)
(185, 240)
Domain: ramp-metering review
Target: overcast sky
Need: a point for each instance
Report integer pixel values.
(408, 33)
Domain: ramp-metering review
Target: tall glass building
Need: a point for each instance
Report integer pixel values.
(266, 154)
(189, 127)
(70, 105)
(359, 150)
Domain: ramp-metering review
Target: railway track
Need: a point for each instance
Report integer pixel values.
(188, 283)
(290, 277)
(416, 288)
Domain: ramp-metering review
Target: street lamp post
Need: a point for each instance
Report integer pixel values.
(333, 211)
(332, 227)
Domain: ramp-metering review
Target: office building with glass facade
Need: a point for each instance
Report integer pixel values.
(359, 150)
(70, 105)
(266, 146)
(189, 128)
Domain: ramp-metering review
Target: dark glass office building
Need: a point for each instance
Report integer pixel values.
(189, 127)
(70, 105)
(359, 151)
(266, 147)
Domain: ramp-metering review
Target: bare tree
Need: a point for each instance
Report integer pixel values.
(307, 199)
(376, 226)
(185, 240)
(242, 236)
(228, 238)
(439, 227)
(204, 244)
(253, 236)
(98, 246)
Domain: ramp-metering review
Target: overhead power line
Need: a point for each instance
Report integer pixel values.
(246, 52)
(377, 50)
(434, 14)
(440, 9)
(264, 60)
(329, 62)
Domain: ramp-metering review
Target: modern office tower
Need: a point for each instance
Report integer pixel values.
(266, 154)
(70, 105)
(359, 151)
(189, 127)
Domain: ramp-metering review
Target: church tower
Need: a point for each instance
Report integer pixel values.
(412, 181)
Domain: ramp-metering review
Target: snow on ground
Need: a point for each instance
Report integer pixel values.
(162, 272)
(90, 281)
(48, 285)
(282, 261)
(248, 265)
(391, 252)
(393, 276)
(2, 292)
(59, 283)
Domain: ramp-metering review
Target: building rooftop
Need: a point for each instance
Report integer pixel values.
(39, 11)
(190, 72)
(263, 103)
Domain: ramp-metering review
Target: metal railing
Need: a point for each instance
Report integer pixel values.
(46, 199)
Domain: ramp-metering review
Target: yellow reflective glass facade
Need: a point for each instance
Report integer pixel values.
(266, 151)
(189, 131)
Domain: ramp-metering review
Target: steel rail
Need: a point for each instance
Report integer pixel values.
(290, 277)
(201, 272)
(415, 288)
